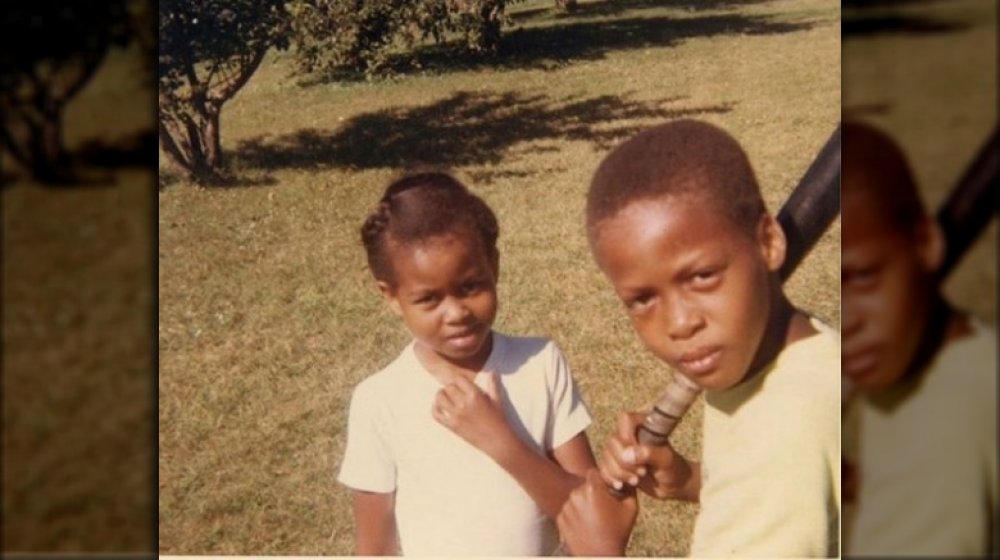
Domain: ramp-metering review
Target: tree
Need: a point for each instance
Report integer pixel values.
(362, 35)
(53, 49)
(209, 49)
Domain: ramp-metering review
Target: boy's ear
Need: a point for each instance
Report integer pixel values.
(930, 243)
(389, 295)
(773, 243)
(496, 267)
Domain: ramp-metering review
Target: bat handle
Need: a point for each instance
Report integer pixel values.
(656, 428)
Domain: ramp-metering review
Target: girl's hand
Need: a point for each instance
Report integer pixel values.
(595, 523)
(658, 471)
(476, 415)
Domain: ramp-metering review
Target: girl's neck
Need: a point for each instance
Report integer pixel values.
(445, 370)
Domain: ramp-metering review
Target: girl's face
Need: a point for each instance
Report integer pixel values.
(445, 292)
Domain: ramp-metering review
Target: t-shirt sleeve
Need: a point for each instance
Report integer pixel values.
(569, 413)
(368, 460)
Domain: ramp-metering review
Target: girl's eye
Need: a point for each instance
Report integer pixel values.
(425, 299)
(473, 287)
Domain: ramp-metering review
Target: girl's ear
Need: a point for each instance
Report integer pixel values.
(772, 241)
(389, 295)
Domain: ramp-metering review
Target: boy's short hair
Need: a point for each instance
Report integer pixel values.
(873, 164)
(680, 157)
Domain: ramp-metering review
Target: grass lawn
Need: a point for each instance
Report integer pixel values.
(268, 317)
(78, 303)
(925, 72)
(933, 87)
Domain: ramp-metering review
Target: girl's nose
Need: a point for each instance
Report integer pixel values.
(456, 311)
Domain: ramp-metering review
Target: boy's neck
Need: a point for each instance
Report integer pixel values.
(786, 326)
(943, 326)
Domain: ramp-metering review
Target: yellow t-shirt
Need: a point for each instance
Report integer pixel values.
(771, 458)
(927, 458)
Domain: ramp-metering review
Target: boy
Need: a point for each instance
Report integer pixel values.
(922, 432)
(676, 222)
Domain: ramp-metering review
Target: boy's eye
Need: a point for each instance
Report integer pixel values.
(861, 277)
(706, 278)
(638, 303)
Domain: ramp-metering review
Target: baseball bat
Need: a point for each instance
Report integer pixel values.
(804, 217)
(962, 217)
(971, 204)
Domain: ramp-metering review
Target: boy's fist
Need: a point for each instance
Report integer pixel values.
(593, 522)
(658, 471)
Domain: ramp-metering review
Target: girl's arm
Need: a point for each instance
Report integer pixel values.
(478, 418)
(375, 524)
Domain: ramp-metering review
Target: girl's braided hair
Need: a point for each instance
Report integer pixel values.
(419, 206)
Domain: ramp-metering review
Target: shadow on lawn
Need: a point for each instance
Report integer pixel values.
(467, 128)
(551, 46)
(856, 27)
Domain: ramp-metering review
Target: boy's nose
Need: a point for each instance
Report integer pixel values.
(683, 321)
(851, 317)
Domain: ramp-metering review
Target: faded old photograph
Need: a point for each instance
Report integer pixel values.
(425, 268)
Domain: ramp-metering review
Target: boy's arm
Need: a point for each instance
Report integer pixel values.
(595, 523)
(659, 471)
(478, 417)
(375, 524)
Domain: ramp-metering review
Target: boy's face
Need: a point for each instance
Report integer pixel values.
(445, 292)
(887, 291)
(695, 285)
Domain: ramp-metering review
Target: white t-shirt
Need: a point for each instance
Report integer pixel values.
(927, 458)
(771, 458)
(452, 499)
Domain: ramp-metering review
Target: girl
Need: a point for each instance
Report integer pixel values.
(469, 442)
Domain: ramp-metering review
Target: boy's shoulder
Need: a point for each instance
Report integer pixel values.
(971, 361)
(818, 351)
(809, 369)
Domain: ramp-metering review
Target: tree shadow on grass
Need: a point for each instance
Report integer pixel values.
(528, 47)
(897, 24)
(465, 129)
(615, 7)
(547, 47)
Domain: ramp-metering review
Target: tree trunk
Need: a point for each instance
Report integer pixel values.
(33, 136)
(566, 5)
(191, 141)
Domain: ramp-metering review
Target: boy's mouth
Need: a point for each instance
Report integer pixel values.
(858, 364)
(700, 362)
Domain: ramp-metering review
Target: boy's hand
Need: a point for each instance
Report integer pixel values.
(595, 523)
(658, 471)
(477, 416)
